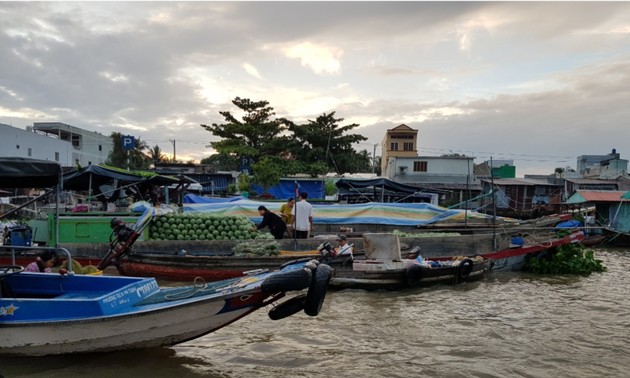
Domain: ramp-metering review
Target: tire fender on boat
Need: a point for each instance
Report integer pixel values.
(464, 269)
(413, 275)
(288, 308)
(296, 279)
(317, 291)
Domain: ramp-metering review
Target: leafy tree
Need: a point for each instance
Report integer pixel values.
(267, 172)
(133, 159)
(222, 162)
(256, 135)
(155, 155)
(323, 140)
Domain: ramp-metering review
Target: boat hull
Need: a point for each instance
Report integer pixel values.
(395, 279)
(155, 328)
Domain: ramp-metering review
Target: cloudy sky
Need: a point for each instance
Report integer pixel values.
(539, 83)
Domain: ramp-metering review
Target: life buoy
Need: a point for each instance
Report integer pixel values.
(288, 308)
(317, 291)
(295, 279)
(413, 275)
(464, 269)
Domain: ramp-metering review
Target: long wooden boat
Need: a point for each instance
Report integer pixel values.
(47, 313)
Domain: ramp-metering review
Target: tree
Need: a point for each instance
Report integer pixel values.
(323, 140)
(258, 134)
(132, 159)
(222, 162)
(155, 155)
(267, 172)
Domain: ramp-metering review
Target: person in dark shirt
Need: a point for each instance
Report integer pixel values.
(273, 221)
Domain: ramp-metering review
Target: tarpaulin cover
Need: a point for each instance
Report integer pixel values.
(402, 214)
(28, 173)
(192, 198)
(286, 189)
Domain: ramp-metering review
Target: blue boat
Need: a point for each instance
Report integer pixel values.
(59, 313)
(49, 313)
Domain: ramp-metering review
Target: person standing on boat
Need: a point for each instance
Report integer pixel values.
(273, 221)
(344, 248)
(302, 217)
(286, 214)
(44, 263)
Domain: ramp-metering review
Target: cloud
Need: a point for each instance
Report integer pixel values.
(319, 58)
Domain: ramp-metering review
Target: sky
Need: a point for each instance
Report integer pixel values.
(539, 83)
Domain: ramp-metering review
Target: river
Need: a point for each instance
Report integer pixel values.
(506, 325)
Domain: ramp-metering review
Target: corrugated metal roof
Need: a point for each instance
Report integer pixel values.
(601, 195)
(521, 182)
(591, 181)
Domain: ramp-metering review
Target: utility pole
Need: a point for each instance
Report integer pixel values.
(174, 155)
(374, 158)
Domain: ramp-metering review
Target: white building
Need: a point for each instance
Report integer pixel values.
(65, 144)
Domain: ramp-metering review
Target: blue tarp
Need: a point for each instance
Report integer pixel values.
(402, 214)
(191, 198)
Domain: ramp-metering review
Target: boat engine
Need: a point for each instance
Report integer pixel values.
(326, 249)
(120, 229)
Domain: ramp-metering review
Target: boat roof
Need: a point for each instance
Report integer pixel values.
(16, 172)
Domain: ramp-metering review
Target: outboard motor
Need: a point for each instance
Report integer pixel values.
(121, 231)
(326, 249)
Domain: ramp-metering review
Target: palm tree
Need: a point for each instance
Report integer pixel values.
(156, 155)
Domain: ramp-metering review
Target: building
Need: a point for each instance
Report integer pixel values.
(88, 147)
(55, 141)
(602, 166)
(450, 176)
(522, 198)
(401, 141)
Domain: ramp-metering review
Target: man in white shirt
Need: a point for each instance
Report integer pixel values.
(302, 217)
(344, 249)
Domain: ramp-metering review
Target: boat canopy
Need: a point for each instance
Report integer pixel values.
(18, 172)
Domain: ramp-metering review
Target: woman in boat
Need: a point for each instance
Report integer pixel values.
(273, 221)
(44, 263)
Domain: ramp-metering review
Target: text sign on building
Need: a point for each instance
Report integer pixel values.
(128, 142)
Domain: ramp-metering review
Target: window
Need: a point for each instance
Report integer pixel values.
(100, 147)
(30, 152)
(408, 146)
(419, 166)
(17, 146)
(393, 146)
(57, 156)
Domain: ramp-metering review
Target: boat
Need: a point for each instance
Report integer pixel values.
(513, 258)
(50, 313)
(382, 267)
(61, 313)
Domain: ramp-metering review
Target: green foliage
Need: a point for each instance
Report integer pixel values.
(257, 134)
(244, 183)
(567, 259)
(330, 188)
(222, 162)
(267, 172)
(134, 159)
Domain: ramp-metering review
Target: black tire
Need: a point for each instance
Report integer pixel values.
(317, 292)
(464, 269)
(296, 279)
(288, 308)
(413, 275)
(303, 259)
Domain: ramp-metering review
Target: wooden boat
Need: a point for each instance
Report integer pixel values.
(513, 258)
(616, 238)
(382, 267)
(46, 313)
(178, 267)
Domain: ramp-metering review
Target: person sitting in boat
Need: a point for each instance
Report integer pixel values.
(273, 221)
(344, 248)
(44, 263)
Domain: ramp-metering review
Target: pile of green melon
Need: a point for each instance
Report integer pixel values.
(203, 226)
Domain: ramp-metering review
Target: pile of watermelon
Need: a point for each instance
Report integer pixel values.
(203, 226)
